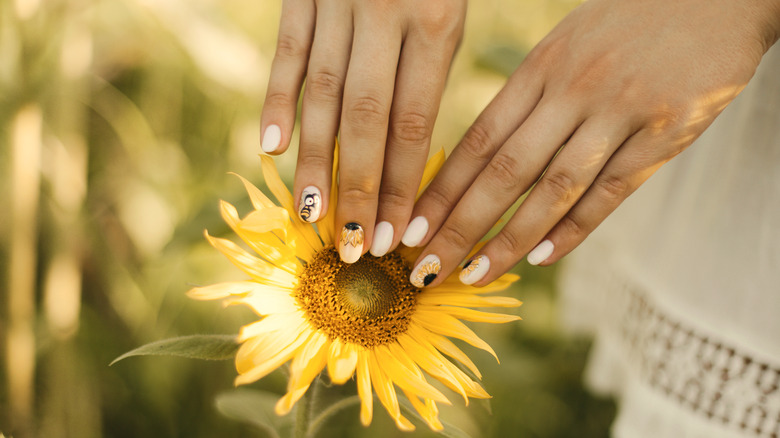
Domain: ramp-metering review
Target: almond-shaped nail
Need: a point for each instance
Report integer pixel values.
(351, 242)
(311, 204)
(415, 232)
(383, 238)
(426, 271)
(272, 138)
(541, 253)
(474, 269)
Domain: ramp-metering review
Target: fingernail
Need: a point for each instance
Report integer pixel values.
(383, 238)
(272, 137)
(540, 253)
(426, 271)
(310, 205)
(474, 269)
(415, 232)
(351, 243)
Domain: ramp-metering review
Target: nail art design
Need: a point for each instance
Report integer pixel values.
(351, 242)
(474, 269)
(426, 271)
(310, 205)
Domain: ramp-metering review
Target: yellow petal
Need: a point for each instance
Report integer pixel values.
(224, 290)
(385, 392)
(364, 388)
(433, 363)
(277, 187)
(259, 269)
(293, 321)
(479, 316)
(428, 411)
(263, 364)
(444, 345)
(435, 296)
(257, 197)
(342, 360)
(305, 366)
(453, 284)
(404, 372)
(432, 167)
(267, 303)
(270, 219)
(442, 323)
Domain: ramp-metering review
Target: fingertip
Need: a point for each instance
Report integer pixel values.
(310, 204)
(425, 272)
(415, 231)
(541, 252)
(474, 270)
(383, 239)
(351, 242)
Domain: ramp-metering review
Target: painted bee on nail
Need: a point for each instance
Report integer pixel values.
(352, 234)
(310, 202)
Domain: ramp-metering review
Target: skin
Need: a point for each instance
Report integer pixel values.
(376, 70)
(616, 90)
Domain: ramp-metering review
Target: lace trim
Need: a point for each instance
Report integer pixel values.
(702, 374)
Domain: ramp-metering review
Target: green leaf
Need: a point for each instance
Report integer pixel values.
(209, 347)
(253, 407)
(450, 430)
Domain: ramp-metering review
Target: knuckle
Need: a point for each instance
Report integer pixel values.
(573, 226)
(394, 198)
(289, 46)
(504, 172)
(357, 193)
(453, 236)
(367, 109)
(559, 186)
(509, 241)
(440, 197)
(613, 188)
(324, 85)
(411, 128)
(439, 20)
(314, 158)
(280, 99)
(477, 142)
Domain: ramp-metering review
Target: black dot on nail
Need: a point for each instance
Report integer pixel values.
(429, 279)
(352, 226)
(467, 264)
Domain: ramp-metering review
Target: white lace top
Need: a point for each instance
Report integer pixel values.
(681, 285)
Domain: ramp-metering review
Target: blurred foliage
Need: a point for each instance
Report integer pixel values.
(119, 121)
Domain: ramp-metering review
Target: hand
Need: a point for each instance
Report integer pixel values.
(376, 69)
(618, 88)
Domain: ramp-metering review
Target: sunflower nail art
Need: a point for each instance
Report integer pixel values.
(351, 242)
(426, 271)
(474, 269)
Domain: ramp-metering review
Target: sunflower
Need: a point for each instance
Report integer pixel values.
(363, 320)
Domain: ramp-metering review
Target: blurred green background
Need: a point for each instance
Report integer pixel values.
(119, 120)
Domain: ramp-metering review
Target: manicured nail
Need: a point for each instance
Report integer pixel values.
(272, 137)
(310, 205)
(540, 253)
(383, 238)
(415, 232)
(474, 269)
(351, 243)
(426, 271)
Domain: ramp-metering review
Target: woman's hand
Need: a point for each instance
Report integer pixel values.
(376, 70)
(618, 88)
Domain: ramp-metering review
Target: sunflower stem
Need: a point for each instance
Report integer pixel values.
(303, 412)
(333, 409)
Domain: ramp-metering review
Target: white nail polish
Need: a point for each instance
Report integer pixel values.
(311, 204)
(426, 271)
(474, 270)
(272, 137)
(540, 253)
(383, 238)
(351, 243)
(415, 232)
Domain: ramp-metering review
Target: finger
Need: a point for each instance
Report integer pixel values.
(569, 175)
(368, 92)
(622, 175)
(500, 119)
(287, 72)
(513, 169)
(422, 72)
(322, 107)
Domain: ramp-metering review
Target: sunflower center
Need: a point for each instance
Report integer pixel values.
(369, 302)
